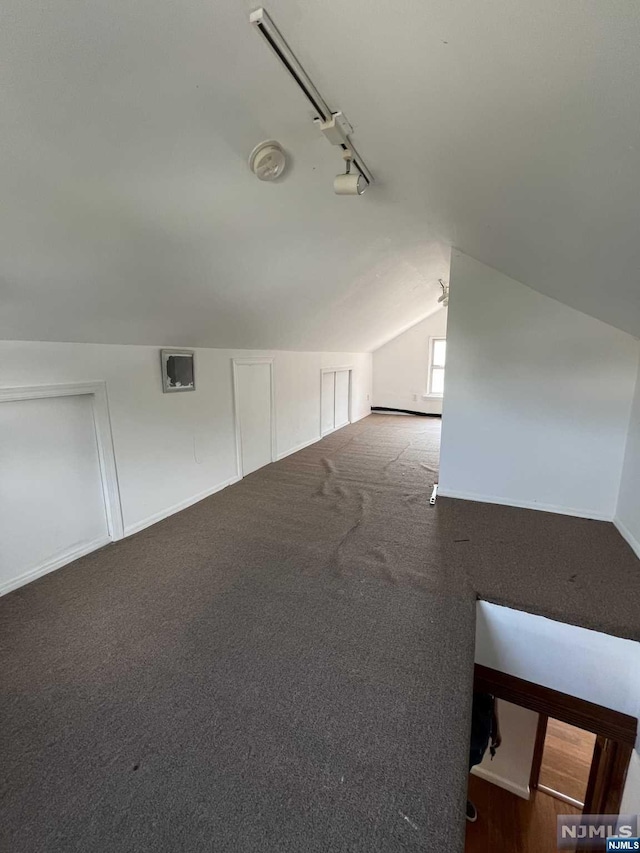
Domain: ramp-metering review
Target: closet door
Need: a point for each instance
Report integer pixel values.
(328, 403)
(253, 411)
(341, 398)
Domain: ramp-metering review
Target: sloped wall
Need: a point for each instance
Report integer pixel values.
(401, 367)
(628, 511)
(537, 400)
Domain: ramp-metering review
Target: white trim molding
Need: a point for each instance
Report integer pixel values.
(178, 507)
(332, 430)
(235, 362)
(51, 565)
(431, 395)
(336, 369)
(349, 368)
(107, 464)
(104, 439)
(519, 790)
(298, 447)
(627, 535)
(318, 438)
(494, 499)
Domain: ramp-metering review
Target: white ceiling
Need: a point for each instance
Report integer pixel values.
(508, 128)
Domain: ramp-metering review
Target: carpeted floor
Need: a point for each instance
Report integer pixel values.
(285, 666)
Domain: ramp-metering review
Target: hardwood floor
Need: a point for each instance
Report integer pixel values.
(566, 759)
(509, 823)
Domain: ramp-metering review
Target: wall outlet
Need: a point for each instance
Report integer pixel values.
(415, 398)
(367, 398)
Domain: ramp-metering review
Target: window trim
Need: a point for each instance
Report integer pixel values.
(432, 342)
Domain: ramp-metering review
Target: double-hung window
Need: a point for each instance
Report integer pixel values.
(437, 357)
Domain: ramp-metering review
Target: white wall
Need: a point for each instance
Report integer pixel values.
(631, 797)
(400, 367)
(173, 449)
(537, 401)
(566, 658)
(561, 656)
(51, 498)
(628, 512)
(511, 766)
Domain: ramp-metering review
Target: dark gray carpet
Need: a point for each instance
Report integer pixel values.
(275, 669)
(286, 666)
(570, 569)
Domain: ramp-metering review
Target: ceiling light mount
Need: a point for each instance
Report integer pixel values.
(336, 129)
(333, 125)
(268, 160)
(444, 297)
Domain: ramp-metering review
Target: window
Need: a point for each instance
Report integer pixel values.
(437, 356)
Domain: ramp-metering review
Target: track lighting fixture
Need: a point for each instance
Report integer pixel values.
(333, 125)
(349, 183)
(444, 296)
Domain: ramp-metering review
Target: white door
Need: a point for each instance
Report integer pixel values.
(328, 402)
(253, 410)
(342, 398)
(51, 499)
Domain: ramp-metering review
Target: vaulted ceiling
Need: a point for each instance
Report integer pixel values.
(507, 128)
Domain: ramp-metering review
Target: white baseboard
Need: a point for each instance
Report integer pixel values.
(318, 438)
(329, 432)
(494, 499)
(165, 513)
(519, 790)
(624, 531)
(393, 413)
(130, 529)
(342, 426)
(53, 564)
(298, 447)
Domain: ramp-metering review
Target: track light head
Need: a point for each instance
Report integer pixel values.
(349, 183)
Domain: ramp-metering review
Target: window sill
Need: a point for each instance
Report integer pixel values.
(432, 396)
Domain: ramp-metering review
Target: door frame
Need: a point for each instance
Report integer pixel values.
(616, 732)
(323, 370)
(97, 391)
(235, 363)
(536, 767)
(538, 751)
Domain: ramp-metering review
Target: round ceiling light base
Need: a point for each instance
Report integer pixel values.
(268, 160)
